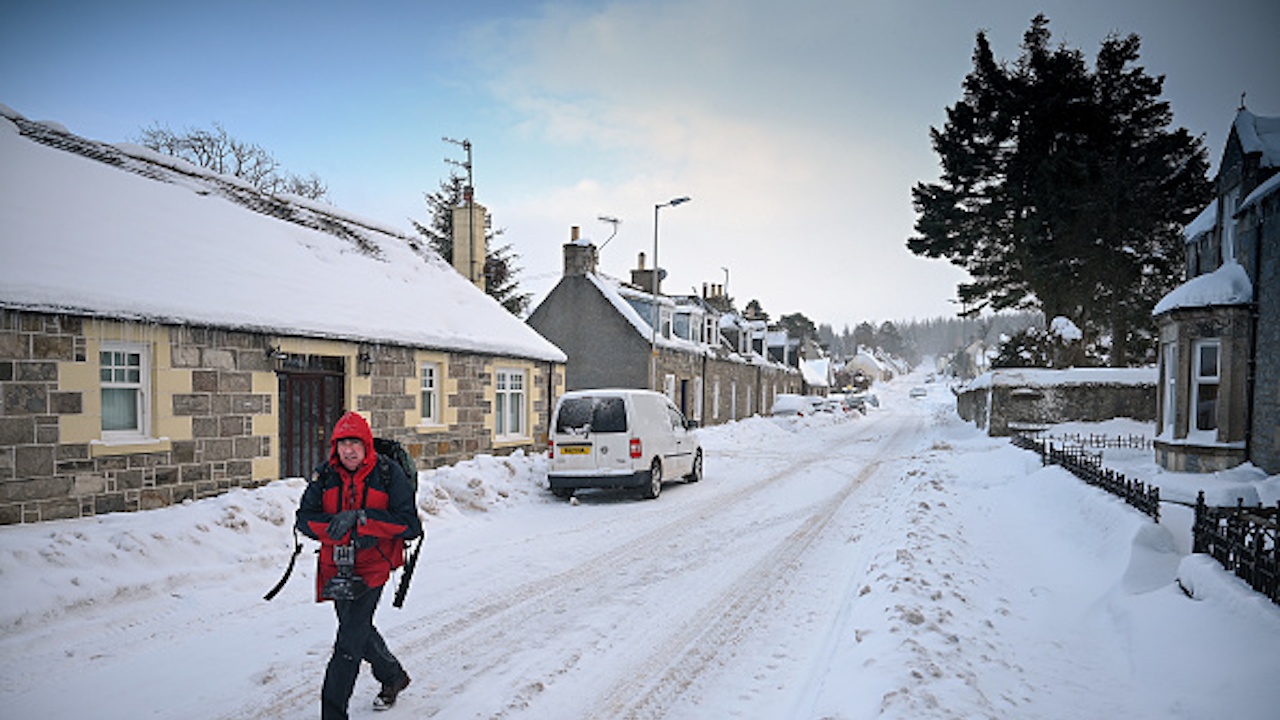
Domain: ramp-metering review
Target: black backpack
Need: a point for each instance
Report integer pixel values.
(394, 452)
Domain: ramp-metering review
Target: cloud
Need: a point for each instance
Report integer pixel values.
(756, 111)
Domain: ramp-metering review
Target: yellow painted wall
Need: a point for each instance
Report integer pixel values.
(447, 387)
(82, 377)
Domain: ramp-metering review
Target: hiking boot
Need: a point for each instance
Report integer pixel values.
(387, 696)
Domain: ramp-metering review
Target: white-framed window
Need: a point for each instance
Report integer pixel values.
(669, 386)
(509, 403)
(430, 393)
(715, 398)
(1169, 375)
(697, 399)
(1206, 374)
(733, 399)
(124, 373)
(711, 331)
(749, 398)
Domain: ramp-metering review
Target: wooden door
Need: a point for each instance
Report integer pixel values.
(310, 403)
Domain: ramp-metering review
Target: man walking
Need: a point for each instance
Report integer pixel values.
(361, 508)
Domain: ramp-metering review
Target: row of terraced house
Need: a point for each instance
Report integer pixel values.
(167, 334)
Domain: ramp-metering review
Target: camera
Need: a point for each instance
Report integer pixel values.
(346, 585)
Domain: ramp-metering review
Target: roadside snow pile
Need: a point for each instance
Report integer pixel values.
(752, 432)
(483, 483)
(71, 564)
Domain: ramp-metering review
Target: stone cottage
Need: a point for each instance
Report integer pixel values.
(167, 334)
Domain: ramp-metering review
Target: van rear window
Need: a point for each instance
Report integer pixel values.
(592, 414)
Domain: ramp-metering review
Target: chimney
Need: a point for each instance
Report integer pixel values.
(580, 255)
(642, 278)
(468, 241)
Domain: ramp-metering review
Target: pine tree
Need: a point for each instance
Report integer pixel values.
(1063, 189)
(499, 263)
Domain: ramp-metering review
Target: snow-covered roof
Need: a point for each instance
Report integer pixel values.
(1203, 223)
(1228, 285)
(1042, 377)
(866, 363)
(1259, 135)
(117, 231)
(611, 291)
(1260, 192)
(814, 372)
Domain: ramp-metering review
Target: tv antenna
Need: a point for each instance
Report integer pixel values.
(469, 190)
(615, 222)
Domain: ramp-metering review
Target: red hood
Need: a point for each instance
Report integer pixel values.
(353, 425)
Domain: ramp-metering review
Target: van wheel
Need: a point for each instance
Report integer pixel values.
(695, 474)
(562, 493)
(654, 487)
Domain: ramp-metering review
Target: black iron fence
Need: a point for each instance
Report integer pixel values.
(1098, 440)
(1243, 539)
(1087, 466)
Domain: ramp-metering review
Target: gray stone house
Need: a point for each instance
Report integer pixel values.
(1219, 396)
(168, 334)
(620, 335)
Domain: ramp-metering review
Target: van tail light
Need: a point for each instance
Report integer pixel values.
(635, 448)
(551, 446)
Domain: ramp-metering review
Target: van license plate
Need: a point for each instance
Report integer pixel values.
(575, 450)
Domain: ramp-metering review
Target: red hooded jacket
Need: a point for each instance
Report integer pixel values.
(379, 487)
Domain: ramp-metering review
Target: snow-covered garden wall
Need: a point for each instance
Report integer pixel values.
(1008, 400)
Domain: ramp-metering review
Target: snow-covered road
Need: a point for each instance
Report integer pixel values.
(895, 565)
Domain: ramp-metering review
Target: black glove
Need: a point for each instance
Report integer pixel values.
(341, 523)
(364, 542)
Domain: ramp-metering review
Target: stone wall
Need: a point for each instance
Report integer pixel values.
(52, 463)
(393, 398)
(1261, 235)
(1003, 406)
(214, 423)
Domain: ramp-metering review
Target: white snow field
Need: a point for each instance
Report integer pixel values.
(897, 565)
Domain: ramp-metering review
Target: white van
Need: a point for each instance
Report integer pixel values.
(620, 438)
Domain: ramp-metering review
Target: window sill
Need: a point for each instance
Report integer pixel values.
(138, 446)
(430, 428)
(511, 441)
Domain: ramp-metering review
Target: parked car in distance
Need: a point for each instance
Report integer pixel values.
(826, 405)
(918, 392)
(620, 438)
(854, 403)
(788, 404)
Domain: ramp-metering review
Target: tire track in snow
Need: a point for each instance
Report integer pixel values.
(470, 647)
(675, 667)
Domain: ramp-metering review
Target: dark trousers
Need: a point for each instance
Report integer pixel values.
(357, 640)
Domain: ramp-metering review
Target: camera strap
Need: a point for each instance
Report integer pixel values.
(297, 548)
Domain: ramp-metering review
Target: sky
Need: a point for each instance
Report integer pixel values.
(797, 129)
(895, 565)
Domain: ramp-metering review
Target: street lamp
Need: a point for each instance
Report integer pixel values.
(657, 312)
